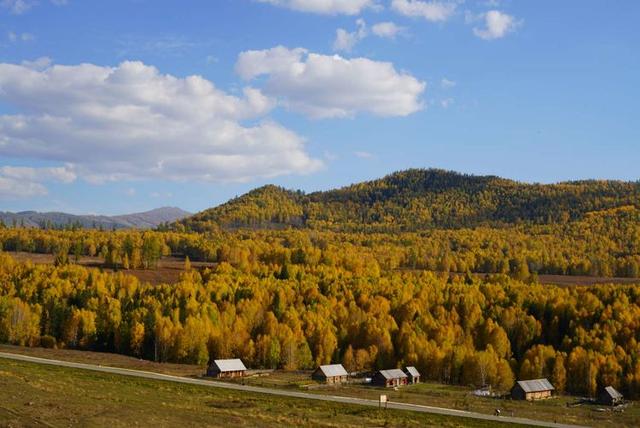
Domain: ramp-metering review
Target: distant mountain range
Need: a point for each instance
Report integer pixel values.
(143, 220)
(415, 200)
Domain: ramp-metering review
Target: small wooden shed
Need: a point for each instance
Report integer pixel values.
(226, 368)
(534, 389)
(330, 373)
(389, 378)
(610, 397)
(413, 374)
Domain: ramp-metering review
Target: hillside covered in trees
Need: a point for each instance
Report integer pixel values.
(418, 199)
(467, 331)
(426, 268)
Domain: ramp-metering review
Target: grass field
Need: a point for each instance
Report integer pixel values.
(432, 394)
(457, 397)
(106, 359)
(168, 270)
(39, 395)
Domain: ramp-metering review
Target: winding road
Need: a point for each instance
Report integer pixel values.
(285, 393)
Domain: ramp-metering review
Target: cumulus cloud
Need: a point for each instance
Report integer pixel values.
(132, 122)
(64, 174)
(26, 182)
(363, 155)
(18, 7)
(20, 37)
(497, 25)
(323, 86)
(326, 7)
(433, 11)
(387, 30)
(11, 188)
(446, 103)
(38, 64)
(447, 84)
(345, 41)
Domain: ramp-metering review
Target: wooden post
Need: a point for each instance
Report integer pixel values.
(383, 399)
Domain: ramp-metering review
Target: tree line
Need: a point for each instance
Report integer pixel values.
(602, 244)
(462, 330)
(415, 200)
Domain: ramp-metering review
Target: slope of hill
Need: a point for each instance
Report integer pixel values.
(151, 219)
(419, 199)
(143, 220)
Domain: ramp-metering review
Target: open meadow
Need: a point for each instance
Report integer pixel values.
(562, 409)
(37, 395)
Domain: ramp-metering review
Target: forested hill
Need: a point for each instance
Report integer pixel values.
(59, 220)
(418, 199)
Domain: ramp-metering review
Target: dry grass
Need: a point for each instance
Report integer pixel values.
(107, 359)
(167, 272)
(170, 268)
(39, 395)
(458, 397)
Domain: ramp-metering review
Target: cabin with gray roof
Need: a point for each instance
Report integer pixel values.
(389, 378)
(534, 389)
(412, 374)
(610, 397)
(226, 368)
(330, 373)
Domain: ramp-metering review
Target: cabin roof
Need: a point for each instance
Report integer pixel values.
(612, 392)
(413, 371)
(535, 385)
(332, 370)
(393, 374)
(230, 365)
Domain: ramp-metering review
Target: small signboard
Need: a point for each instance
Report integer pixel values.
(383, 399)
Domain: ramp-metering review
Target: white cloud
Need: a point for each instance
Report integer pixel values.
(387, 30)
(433, 11)
(345, 41)
(17, 7)
(38, 64)
(447, 84)
(363, 155)
(26, 182)
(64, 174)
(132, 122)
(323, 86)
(497, 25)
(20, 37)
(326, 7)
(446, 103)
(11, 188)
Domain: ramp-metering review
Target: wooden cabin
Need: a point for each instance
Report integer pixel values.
(535, 389)
(226, 368)
(412, 374)
(610, 397)
(389, 378)
(330, 373)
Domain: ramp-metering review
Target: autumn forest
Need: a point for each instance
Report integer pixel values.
(423, 267)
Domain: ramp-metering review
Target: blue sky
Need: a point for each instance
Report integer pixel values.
(99, 114)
